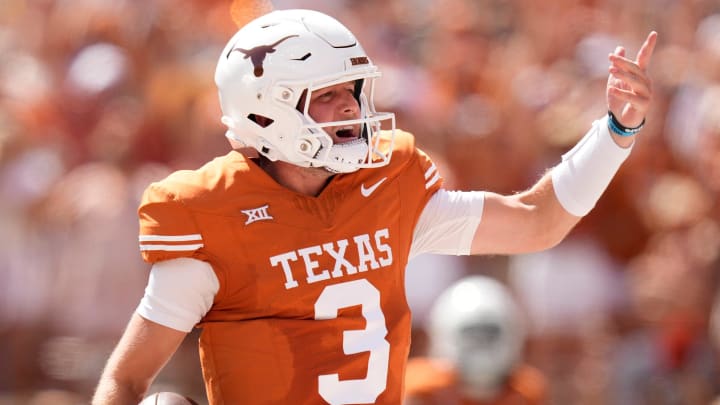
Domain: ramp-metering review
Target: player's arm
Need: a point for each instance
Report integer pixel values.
(179, 293)
(526, 222)
(540, 217)
(143, 350)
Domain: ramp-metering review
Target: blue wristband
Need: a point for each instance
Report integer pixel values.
(617, 128)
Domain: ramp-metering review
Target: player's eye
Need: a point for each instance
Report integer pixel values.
(325, 95)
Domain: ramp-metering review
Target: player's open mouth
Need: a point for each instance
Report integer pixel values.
(346, 132)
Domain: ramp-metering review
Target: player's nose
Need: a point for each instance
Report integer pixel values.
(349, 105)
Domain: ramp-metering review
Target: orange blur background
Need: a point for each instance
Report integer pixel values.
(100, 97)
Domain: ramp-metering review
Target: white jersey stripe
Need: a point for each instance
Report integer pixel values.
(169, 238)
(432, 181)
(430, 171)
(173, 248)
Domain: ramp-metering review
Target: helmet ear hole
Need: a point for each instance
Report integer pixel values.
(262, 121)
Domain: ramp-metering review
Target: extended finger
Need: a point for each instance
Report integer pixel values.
(639, 83)
(646, 51)
(625, 64)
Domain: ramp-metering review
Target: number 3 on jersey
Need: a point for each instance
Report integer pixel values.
(371, 339)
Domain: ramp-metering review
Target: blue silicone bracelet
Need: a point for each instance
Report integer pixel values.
(616, 127)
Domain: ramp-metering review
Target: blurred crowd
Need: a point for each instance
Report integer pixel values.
(100, 97)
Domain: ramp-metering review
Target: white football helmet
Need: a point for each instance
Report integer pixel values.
(476, 325)
(275, 60)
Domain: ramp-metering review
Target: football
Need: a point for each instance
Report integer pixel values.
(167, 398)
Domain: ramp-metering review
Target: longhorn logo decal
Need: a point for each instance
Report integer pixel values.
(257, 55)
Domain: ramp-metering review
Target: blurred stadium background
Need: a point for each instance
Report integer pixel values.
(100, 97)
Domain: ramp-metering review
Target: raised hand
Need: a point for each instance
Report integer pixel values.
(629, 89)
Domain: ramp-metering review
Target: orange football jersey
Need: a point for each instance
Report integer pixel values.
(311, 307)
(433, 382)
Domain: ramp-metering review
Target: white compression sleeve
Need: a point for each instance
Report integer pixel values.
(448, 222)
(586, 170)
(179, 293)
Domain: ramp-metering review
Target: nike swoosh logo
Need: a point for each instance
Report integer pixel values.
(369, 190)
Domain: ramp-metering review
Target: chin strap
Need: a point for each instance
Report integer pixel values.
(344, 157)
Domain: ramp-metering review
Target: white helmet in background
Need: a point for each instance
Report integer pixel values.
(276, 59)
(476, 325)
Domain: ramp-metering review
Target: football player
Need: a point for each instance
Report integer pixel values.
(291, 258)
(477, 338)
